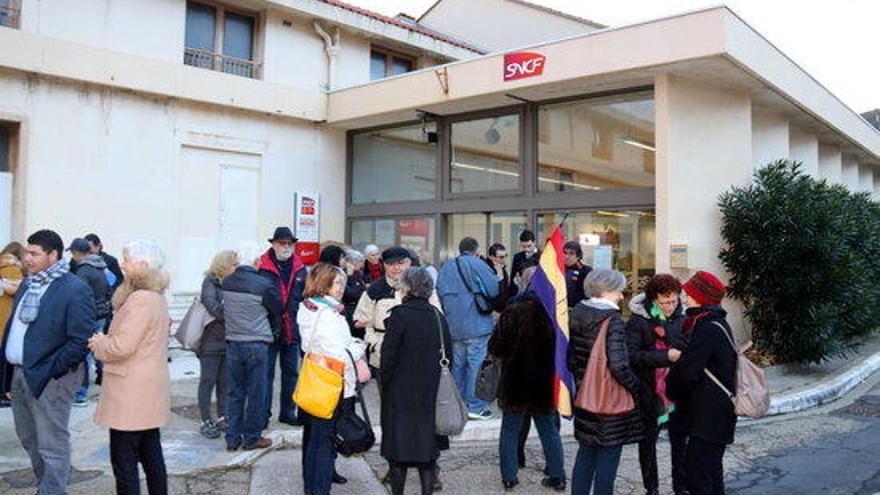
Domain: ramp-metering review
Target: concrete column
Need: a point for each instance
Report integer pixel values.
(704, 137)
(849, 172)
(866, 178)
(830, 163)
(804, 147)
(876, 195)
(769, 137)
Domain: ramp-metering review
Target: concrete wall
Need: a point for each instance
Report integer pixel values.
(127, 166)
(804, 147)
(849, 172)
(770, 137)
(512, 25)
(696, 121)
(866, 178)
(830, 163)
(129, 26)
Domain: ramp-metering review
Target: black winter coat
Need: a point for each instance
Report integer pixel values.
(355, 285)
(644, 357)
(91, 271)
(524, 341)
(705, 411)
(213, 341)
(596, 430)
(410, 376)
(574, 282)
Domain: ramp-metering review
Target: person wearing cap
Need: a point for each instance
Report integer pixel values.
(707, 413)
(459, 280)
(112, 263)
(575, 271)
(375, 307)
(284, 269)
(90, 269)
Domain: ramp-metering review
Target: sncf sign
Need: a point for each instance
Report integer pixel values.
(523, 64)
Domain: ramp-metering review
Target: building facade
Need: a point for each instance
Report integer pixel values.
(411, 131)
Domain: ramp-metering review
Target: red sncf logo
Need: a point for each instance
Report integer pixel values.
(523, 64)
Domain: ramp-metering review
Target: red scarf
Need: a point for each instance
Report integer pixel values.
(375, 270)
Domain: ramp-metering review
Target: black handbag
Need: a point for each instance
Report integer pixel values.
(354, 435)
(488, 379)
(484, 305)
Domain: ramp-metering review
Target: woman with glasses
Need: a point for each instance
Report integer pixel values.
(654, 341)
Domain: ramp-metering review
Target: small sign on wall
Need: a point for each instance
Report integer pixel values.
(678, 256)
(523, 64)
(307, 225)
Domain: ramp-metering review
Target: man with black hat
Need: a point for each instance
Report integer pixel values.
(280, 265)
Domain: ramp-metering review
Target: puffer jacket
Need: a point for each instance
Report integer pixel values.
(642, 335)
(250, 302)
(91, 271)
(214, 338)
(324, 330)
(591, 429)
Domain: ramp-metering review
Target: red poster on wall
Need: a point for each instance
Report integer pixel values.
(307, 222)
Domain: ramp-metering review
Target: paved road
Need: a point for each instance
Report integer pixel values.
(831, 451)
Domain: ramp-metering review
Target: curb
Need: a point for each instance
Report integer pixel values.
(825, 391)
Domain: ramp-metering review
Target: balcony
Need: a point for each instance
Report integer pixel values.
(221, 63)
(9, 15)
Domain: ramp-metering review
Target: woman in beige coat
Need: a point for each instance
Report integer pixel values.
(135, 399)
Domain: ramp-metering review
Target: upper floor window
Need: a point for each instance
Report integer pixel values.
(384, 63)
(9, 13)
(220, 39)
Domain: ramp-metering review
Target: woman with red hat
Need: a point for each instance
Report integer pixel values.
(706, 410)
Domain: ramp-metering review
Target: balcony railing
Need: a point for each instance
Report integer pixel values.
(9, 15)
(221, 63)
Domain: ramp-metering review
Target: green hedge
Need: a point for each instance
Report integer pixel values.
(805, 261)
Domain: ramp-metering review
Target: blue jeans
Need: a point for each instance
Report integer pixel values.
(467, 356)
(246, 379)
(511, 425)
(319, 457)
(288, 355)
(595, 467)
(83, 391)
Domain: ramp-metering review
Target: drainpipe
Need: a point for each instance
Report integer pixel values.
(331, 48)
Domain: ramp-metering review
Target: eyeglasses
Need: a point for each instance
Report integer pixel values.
(668, 303)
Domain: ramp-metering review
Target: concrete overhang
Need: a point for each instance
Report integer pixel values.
(714, 46)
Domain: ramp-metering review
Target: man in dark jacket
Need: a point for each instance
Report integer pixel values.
(575, 272)
(112, 263)
(707, 412)
(286, 272)
(654, 343)
(528, 250)
(41, 357)
(90, 269)
(250, 302)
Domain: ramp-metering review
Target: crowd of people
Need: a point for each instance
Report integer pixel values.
(383, 315)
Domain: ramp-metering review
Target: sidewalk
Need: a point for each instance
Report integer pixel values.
(794, 388)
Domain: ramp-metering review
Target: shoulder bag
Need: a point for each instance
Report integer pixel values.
(320, 383)
(484, 305)
(600, 392)
(354, 434)
(451, 414)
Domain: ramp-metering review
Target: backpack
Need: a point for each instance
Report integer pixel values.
(752, 398)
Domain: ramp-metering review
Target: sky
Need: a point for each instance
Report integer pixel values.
(835, 41)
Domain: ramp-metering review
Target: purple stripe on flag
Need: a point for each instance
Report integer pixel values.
(546, 293)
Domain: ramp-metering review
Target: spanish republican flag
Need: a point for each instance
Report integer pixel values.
(548, 282)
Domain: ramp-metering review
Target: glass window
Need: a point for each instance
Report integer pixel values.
(505, 230)
(401, 66)
(621, 240)
(461, 225)
(4, 148)
(485, 155)
(377, 65)
(238, 42)
(200, 26)
(396, 164)
(596, 144)
(413, 233)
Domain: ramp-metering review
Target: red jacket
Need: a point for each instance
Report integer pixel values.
(291, 295)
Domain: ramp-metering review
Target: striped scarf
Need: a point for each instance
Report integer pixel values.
(30, 303)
